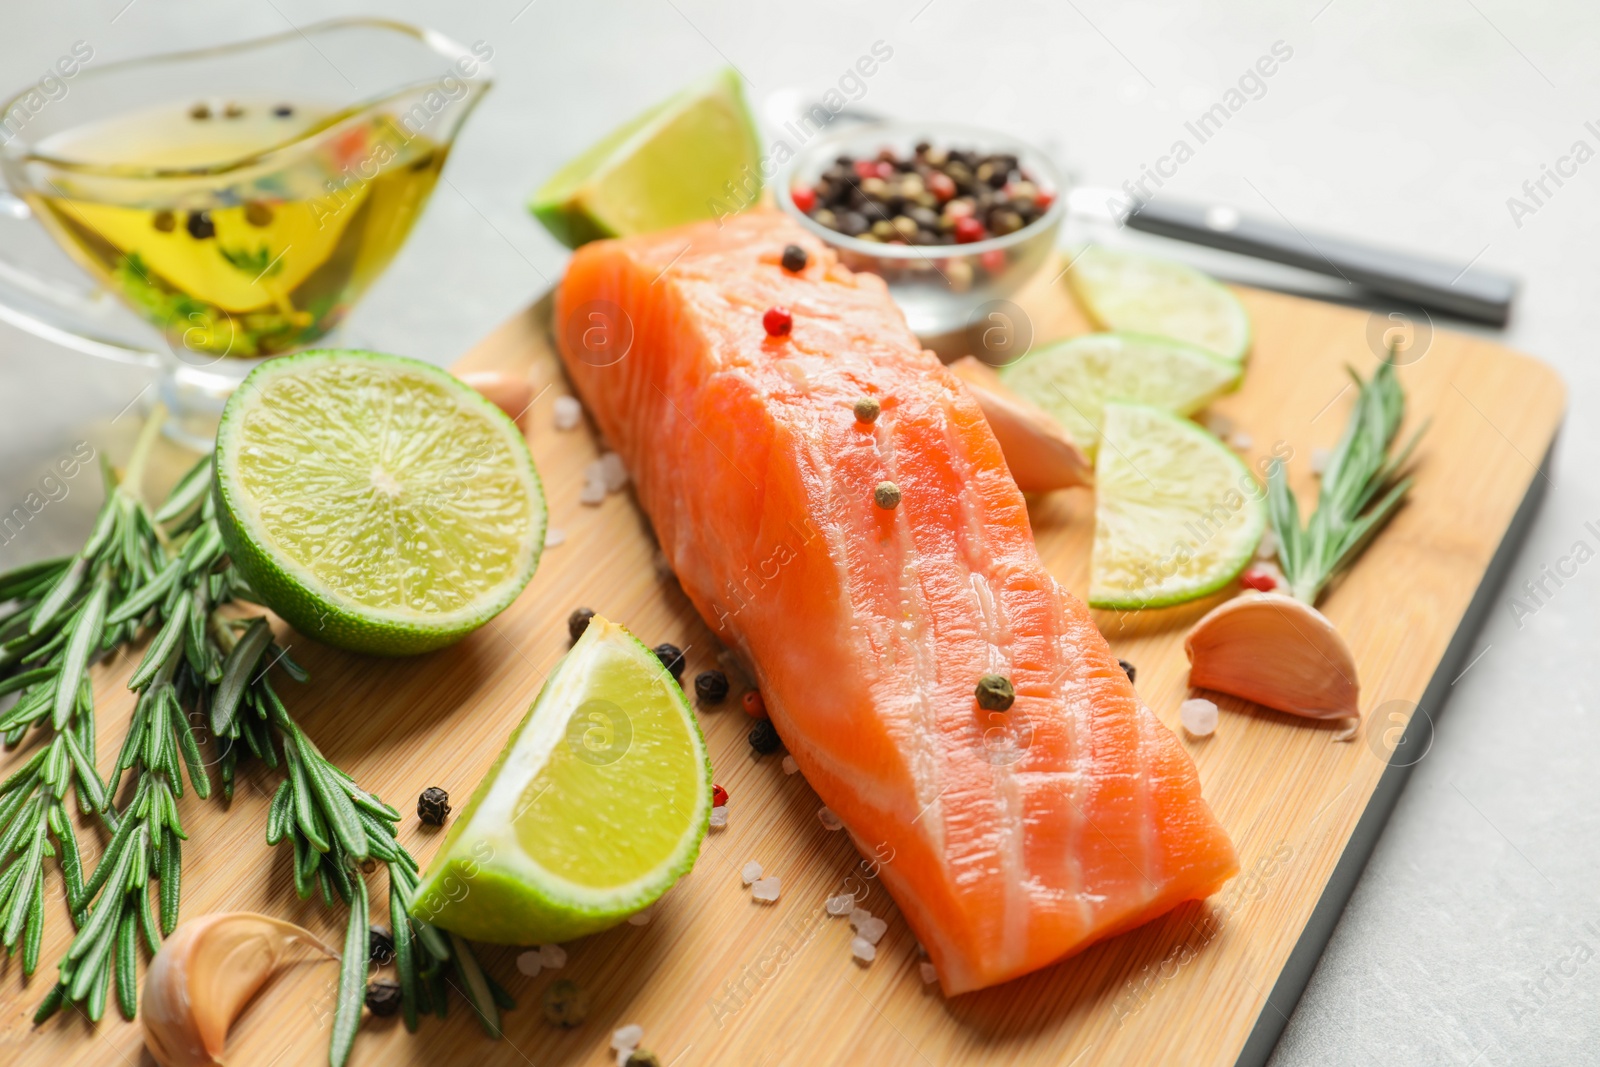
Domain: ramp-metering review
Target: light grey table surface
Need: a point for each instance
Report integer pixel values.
(1466, 940)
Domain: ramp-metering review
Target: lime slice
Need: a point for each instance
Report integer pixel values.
(595, 807)
(376, 503)
(1177, 515)
(1074, 379)
(1142, 294)
(671, 165)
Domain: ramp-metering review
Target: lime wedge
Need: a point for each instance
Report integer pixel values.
(1177, 515)
(595, 807)
(1074, 379)
(671, 165)
(376, 503)
(1142, 294)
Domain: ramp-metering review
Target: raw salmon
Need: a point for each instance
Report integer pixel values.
(1008, 839)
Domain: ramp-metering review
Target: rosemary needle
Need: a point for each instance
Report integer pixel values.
(1361, 490)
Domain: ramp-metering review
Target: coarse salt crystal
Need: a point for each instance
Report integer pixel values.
(863, 950)
(859, 916)
(553, 956)
(628, 1037)
(873, 929)
(1199, 716)
(1241, 440)
(642, 917)
(1319, 460)
(929, 975)
(593, 492)
(554, 537)
(829, 820)
(612, 470)
(789, 765)
(751, 872)
(529, 963)
(842, 904)
(765, 889)
(623, 1056)
(719, 816)
(568, 412)
(1267, 547)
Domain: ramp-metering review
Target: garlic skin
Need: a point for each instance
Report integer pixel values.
(507, 392)
(1277, 651)
(1041, 455)
(204, 975)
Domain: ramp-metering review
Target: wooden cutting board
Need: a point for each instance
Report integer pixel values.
(716, 978)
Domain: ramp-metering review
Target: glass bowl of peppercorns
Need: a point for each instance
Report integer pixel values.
(951, 217)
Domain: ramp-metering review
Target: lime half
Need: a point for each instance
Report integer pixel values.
(1073, 380)
(1177, 515)
(595, 807)
(671, 165)
(1142, 294)
(376, 503)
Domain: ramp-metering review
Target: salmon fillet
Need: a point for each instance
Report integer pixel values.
(1010, 839)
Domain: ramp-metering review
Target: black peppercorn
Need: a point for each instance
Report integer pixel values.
(578, 622)
(383, 997)
(764, 738)
(380, 946)
(1128, 668)
(711, 687)
(164, 222)
(433, 806)
(200, 226)
(671, 657)
(995, 693)
(795, 259)
(565, 1004)
(282, 111)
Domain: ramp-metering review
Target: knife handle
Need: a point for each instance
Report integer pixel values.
(1468, 292)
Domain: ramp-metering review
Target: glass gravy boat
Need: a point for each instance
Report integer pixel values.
(238, 199)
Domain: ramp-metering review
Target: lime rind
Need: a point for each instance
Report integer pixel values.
(1130, 292)
(1177, 514)
(484, 885)
(311, 602)
(1074, 379)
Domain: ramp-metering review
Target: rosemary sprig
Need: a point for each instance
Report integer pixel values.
(1361, 489)
(166, 574)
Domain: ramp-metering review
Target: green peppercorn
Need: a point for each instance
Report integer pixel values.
(565, 1004)
(867, 409)
(887, 495)
(642, 1058)
(995, 693)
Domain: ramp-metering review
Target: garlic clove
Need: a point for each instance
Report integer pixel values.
(1042, 456)
(204, 975)
(507, 392)
(1277, 651)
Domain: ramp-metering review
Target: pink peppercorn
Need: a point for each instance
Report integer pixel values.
(778, 322)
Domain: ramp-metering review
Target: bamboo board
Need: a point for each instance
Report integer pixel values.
(716, 978)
